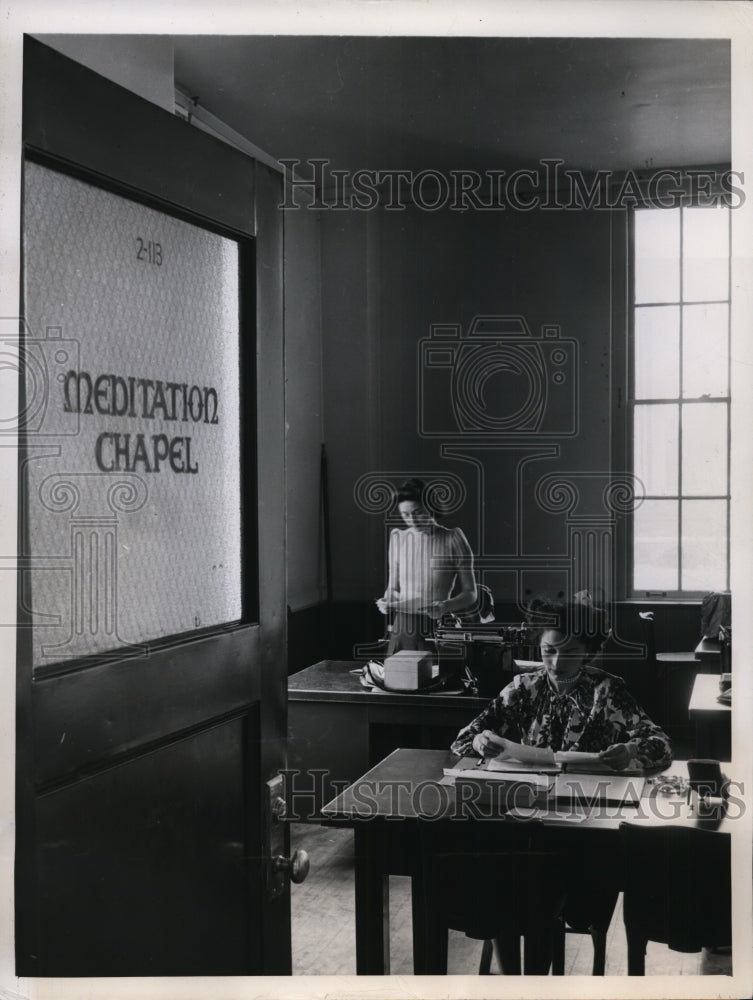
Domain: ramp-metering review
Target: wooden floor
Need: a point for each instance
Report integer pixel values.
(323, 924)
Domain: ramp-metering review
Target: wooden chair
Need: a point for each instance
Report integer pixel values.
(598, 928)
(538, 957)
(598, 934)
(591, 896)
(677, 889)
(492, 883)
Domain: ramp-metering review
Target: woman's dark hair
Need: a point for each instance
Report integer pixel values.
(578, 618)
(411, 489)
(417, 491)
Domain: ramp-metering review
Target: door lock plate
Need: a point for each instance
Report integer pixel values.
(274, 820)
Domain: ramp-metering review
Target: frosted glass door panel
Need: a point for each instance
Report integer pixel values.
(134, 502)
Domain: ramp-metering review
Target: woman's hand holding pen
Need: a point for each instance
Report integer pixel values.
(488, 744)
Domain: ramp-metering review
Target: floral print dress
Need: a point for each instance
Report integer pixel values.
(595, 713)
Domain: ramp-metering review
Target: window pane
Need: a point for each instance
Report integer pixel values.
(656, 447)
(705, 247)
(657, 352)
(704, 545)
(655, 530)
(657, 255)
(705, 340)
(704, 449)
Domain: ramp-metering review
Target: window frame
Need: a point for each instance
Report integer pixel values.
(624, 314)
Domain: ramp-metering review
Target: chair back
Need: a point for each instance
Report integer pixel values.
(725, 649)
(484, 877)
(677, 885)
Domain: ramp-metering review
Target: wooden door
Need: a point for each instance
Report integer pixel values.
(151, 666)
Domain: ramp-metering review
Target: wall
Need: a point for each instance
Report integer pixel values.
(142, 64)
(303, 409)
(387, 277)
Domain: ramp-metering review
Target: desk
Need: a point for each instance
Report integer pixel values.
(387, 807)
(674, 684)
(712, 719)
(709, 650)
(337, 729)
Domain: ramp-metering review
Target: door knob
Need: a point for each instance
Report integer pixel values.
(297, 866)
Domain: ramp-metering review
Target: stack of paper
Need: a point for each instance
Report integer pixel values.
(589, 790)
(505, 789)
(467, 767)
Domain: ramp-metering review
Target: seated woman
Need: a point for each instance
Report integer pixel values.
(568, 704)
(425, 562)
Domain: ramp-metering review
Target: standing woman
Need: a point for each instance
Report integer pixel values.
(426, 561)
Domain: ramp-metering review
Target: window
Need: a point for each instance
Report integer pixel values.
(679, 377)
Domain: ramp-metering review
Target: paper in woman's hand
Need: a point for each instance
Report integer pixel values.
(409, 604)
(585, 762)
(577, 757)
(509, 750)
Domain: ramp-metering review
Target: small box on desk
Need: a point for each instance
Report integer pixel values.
(407, 670)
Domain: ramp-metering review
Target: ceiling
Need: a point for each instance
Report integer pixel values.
(448, 103)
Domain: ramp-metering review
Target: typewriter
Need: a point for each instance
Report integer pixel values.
(482, 655)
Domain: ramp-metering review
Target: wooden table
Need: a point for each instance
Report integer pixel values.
(709, 650)
(389, 804)
(337, 729)
(712, 718)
